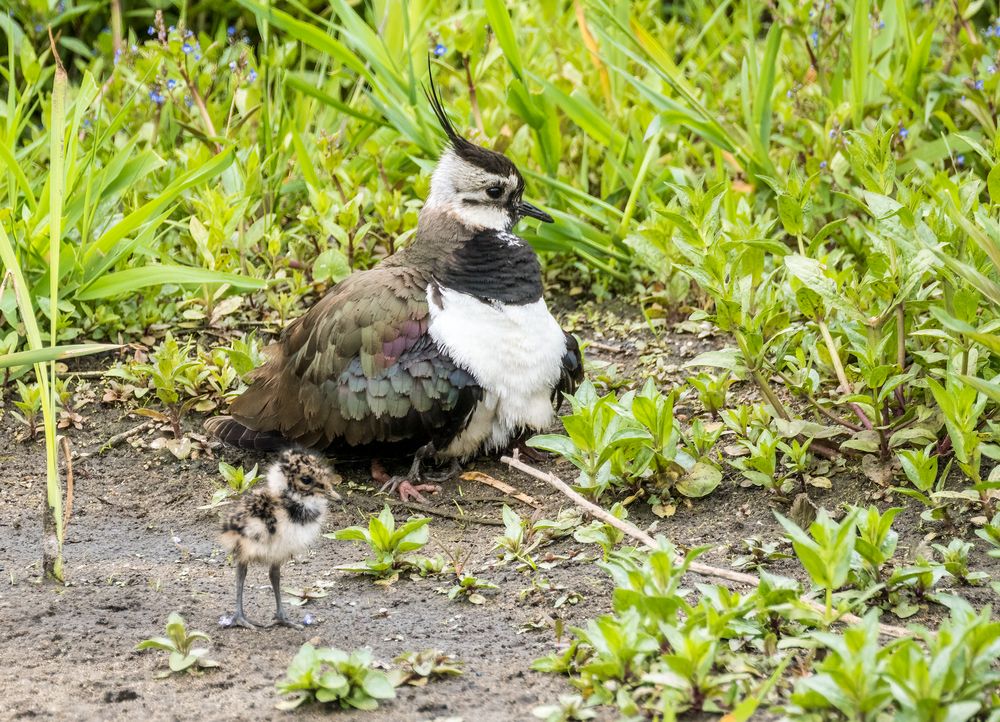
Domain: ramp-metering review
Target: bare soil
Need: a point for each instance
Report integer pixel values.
(138, 548)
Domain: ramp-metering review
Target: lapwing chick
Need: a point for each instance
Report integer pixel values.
(444, 350)
(276, 522)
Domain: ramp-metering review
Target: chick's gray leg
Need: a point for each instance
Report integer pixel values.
(280, 618)
(239, 618)
(408, 487)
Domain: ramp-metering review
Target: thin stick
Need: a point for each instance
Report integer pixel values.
(68, 508)
(446, 514)
(117, 439)
(604, 346)
(638, 534)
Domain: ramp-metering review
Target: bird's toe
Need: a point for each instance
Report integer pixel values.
(237, 620)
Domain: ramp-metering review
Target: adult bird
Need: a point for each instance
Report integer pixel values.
(444, 349)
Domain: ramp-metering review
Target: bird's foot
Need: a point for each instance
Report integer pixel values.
(453, 470)
(283, 620)
(229, 621)
(530, 453)
(407, 490)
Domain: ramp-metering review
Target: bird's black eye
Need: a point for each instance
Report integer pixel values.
(494, 192)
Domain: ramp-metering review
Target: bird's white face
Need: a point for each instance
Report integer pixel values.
(479, 198)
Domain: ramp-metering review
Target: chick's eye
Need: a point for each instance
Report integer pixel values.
(494, 192)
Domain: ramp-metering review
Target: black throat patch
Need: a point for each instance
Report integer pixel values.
(493, 266)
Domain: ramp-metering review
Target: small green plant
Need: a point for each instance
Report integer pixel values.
(418, 668)
(331, 676)
(875, 543)
(569, 708)
(825, 552)
(175, 376)
(955, 559)
(920, 466)
(519, 538)
(466, 586)
(29, 406)
(712, 391)
(389, 544)
(759, 553)
(179, 643)
(238, 481)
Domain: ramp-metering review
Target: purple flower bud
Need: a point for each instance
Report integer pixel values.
(187, 101)
(814, 36)
(232, 66)
(833, 132)
(231, 30)
(197, 56)
(904, 133)
(978, 85)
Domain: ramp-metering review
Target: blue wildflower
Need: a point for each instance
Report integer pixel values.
(881, 24)
(118, 55)
(156, 96)
(38, 27)
(822, 164)
(186, 47)
(171, 84)
(87, 122)
(197, 56)
(833, 132)
(991, 69)
(150, 30)
(440, 50)
(187, 101)
(171, 29)
(232, 66)
(189, 34)
(960, 160)
(904, 133)
(231, 30)
(252, 75)
(814, 36)
(978, 85)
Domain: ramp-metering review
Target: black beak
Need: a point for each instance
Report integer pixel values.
(526, 209)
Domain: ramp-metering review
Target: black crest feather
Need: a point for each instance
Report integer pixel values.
(488, 160)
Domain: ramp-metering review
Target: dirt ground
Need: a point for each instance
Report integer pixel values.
(138, 548)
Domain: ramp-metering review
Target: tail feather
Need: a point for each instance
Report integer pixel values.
(231, 431)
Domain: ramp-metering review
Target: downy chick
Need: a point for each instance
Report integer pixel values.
(275, 522)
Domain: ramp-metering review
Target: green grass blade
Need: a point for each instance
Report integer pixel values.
(53, 353)
(496, 12)
(132, 279)
(860, 38)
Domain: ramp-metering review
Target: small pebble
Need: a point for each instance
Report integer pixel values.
(226, 620)
(309, 620)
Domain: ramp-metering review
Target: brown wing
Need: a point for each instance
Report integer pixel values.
(358, 368)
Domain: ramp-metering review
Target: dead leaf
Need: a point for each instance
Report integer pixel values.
(881, 472)
(500, 486)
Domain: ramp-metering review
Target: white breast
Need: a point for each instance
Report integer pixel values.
(515, 354)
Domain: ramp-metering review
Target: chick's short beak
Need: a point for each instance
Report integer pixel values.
(526, 209)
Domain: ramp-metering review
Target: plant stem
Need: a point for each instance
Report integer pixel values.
(52, 562)
(473, 100)
(838, 367)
